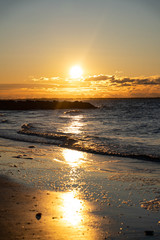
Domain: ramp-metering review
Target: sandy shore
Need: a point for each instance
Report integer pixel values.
(93, 198)
(27, 213)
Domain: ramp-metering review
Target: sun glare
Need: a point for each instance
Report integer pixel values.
(76, 72)
(72, 209)
(73, 157)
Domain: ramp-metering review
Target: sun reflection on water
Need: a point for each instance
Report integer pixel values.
(75, 125)
(72, 208)
(73, 158)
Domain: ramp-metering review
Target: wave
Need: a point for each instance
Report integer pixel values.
(4, 121)
(35, 133)
(70, 141)
(27, 126)
(59, 139)
(73, 112)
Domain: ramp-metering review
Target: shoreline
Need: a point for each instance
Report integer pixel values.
(94, 197)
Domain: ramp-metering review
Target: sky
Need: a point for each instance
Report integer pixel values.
(116, 43)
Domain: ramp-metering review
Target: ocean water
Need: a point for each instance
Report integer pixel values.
(118, 127)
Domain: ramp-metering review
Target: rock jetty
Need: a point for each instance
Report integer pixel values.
(43, 105)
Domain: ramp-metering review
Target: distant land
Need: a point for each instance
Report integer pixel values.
(43, 105)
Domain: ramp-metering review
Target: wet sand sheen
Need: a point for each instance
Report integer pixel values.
(76, 195)
(60, 215)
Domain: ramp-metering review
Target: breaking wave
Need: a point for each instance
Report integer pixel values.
(77, 143)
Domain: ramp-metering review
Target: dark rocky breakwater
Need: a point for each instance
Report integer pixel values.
(43, 105)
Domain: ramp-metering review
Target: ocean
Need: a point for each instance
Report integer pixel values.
(127, 128)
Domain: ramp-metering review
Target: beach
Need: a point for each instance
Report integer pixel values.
(81, 173)
(80, 120)
(74, 198)
(21, 206)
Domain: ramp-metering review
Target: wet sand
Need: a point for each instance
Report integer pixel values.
(88, 197)
(27, 213)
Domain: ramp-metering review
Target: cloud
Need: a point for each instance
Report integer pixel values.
(147, 81)
(99, 78)
(125, 81)
(93, 86)
(44, 79)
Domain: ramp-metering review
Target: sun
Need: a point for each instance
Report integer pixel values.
(76, 72)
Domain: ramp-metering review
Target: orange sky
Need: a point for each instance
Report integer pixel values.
(100, 86)
(115, 42)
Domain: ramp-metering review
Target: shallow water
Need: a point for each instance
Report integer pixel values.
(118, 127)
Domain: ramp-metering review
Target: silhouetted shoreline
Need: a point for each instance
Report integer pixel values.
(43, 105)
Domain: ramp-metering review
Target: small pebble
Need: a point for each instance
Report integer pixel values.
(38, 216)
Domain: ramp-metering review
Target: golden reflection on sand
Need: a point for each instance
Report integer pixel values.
(73, 158)
(72, 208)
(67, 216)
